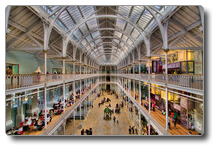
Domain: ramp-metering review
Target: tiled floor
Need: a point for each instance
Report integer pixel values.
(100, 126)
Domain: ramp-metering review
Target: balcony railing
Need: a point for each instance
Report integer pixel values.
(194, 81)
(26, 80)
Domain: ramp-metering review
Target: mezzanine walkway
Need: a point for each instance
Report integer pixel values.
(162, 120)
(55, 118)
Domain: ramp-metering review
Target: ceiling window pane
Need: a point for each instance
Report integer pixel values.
(136, 13)
(95, 34)
(116, 41)
(129, 42)
(88, 38)
(129, 28)
(124, 38)
(145, 18)
(124, 10)
(78, 34)
(117, 34)
(92, 24)
(74, 11)
(135, 34)
(84, 29)
(120, 23)
(87, 10)
(84, 42)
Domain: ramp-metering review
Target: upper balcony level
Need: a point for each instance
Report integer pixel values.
(185, 82)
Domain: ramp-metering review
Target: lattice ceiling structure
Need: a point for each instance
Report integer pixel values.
(107, 34)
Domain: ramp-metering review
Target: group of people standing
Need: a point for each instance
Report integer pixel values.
(174, 119)
(114, 119)
(133, 130)
(88, 131)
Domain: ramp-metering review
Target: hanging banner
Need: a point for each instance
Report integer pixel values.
(177, 107)
(157, 97)
(183, 102)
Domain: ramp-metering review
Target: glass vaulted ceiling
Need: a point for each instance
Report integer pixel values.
(106, 48)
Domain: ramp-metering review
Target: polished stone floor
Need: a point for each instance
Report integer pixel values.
(94, 119)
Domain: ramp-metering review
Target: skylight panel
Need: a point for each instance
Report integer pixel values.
(66, 19)
(129, 42)
(54, 8)
(87, 10)
(74, 11)
(145, 18)
(124, 37)
(92, 44)
(88, 47)
(74, 38)
(125, 48)
(116, 41)
(129, 28)
(124, 10)
(84, 42)
(98, 40)
(92, 24)
(120, 23)
(117, 34)
(135, 34)
(95, 34)
(84, 29)
(137, 11)
(121, 44)
(78, 34)
(88, 38)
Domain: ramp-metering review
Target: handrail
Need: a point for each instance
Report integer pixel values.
(100, 74)
(191, 81)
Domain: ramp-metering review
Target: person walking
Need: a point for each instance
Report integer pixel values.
(90, 131)
(117, 121)
(136, 131)
(175, 118)
(133, 130)
(172, 114)
(82, 132)
(129, 129)
(153, 106)
(169, 123)
(114, 118)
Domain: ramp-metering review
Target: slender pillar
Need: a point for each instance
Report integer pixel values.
(74, 73)
(45, 103)
(140, 99)
(64, 95)
(64, 124)
(7, 14)
(80, 113)
(149, 128)
(139, 92)
(74, 123)
(22, 117)
(139, 122)
(80, 82)
(149, 85)
(134, 81)
(134, 113)
(74, 91)
(166, 71)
